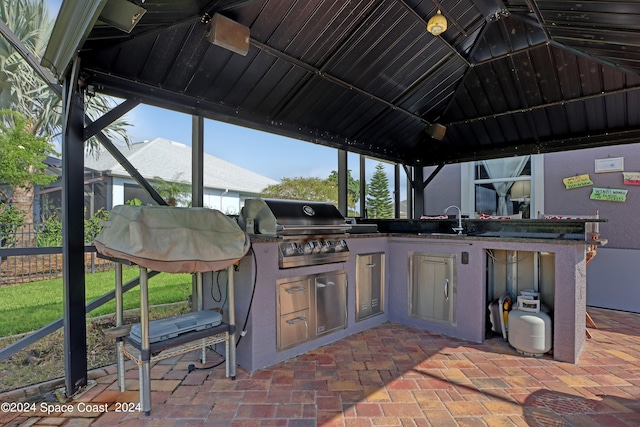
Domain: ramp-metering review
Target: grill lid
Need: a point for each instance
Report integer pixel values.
(290, 217)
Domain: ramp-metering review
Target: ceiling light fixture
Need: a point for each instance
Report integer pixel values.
(437, 24)
(229, 34)
(436, 131)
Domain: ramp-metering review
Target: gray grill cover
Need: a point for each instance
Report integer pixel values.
(172, 239)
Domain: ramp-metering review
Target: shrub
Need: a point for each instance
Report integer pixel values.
(51, 232)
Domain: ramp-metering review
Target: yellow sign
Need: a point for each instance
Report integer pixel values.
(577, 181)
(631, 178)
(609, 194)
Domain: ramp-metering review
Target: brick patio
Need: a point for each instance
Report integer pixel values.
(390, 375)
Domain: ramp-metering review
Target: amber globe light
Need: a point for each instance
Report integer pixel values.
(437, 24)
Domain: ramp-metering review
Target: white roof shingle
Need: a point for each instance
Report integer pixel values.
(171, 161)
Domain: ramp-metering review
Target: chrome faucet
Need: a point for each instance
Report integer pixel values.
(459, 228)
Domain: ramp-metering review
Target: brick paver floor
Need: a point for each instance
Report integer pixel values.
(390, 375)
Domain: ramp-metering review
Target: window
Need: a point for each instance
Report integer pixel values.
(380, 182)
(509, 186)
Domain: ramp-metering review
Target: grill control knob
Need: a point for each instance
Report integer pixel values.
(291, 249)
(327, 246)
(309, 247)
(341, 245)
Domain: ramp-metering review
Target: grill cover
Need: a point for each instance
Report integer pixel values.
(172, 239)
(274, 216)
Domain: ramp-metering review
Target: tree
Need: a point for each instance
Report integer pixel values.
(22, 89)
(175, 192)
(379, 202)
(353, 189)
(312, 189)
(315, 189)
(21, 162)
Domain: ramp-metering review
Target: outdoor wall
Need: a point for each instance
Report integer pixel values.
(622, 227)
(225, 201)
(443, 191)
(222, 200)
(612, 276)
(612, 280)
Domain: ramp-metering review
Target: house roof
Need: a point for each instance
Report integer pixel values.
(506, 78)
(171, 161)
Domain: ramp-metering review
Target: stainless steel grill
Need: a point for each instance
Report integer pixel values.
(312, 232)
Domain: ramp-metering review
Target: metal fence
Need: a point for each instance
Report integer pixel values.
(30, 267)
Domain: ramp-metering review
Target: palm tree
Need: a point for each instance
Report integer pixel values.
(176, 192)
(22, 89)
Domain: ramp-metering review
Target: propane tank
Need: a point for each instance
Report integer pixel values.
(529, 328)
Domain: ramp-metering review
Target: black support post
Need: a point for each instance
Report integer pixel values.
(75, 338)
(197, 162)
(396, 190)
(363, 188)
(409, 190)
(418, 191)
(343, 191)
(197, 192)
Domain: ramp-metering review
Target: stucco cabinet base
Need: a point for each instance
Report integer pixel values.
(256, 286)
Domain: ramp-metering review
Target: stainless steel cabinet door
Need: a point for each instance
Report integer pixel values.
(432, 287)
(369, 285)
(331, 302)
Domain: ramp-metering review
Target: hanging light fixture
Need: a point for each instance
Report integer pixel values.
(437, 24)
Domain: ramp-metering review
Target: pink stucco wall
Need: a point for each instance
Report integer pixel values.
(622, 229)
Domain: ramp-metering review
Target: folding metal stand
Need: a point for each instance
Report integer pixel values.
(144, 353)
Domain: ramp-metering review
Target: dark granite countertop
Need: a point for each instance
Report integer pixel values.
(455, 237)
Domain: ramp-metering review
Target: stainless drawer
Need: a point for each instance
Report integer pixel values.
(293, 329)
(293, 296)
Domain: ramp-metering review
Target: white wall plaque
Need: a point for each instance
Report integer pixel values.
(611, 164)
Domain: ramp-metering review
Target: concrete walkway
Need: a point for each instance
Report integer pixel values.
(390, 375)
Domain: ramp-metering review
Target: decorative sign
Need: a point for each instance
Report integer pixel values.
(612, 164)
(577, 181)
(631, 178)
(609, 194)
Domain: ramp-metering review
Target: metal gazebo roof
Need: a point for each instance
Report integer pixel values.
(505, 78)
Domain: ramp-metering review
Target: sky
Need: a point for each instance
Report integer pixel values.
(267, 154)
(263, 153)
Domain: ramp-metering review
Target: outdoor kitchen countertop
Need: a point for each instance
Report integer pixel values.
(441, 236)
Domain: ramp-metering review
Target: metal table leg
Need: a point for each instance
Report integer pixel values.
(231, 343)
(145, 355)
(119, 322)
(200, 306)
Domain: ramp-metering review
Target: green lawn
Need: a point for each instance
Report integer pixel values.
(29, 306)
